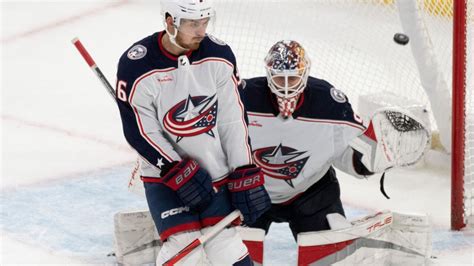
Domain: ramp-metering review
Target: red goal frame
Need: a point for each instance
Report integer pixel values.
(459, 116)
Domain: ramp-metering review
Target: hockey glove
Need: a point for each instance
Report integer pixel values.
(394, 138)
(192, 184)
(375, 156)
(248, 193)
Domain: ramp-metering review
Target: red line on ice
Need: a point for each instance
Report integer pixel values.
(69, 133)
(64, 21)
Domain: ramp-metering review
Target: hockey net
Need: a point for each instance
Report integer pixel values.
(351, 44)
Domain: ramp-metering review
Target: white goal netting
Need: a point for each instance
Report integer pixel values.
(351, 45)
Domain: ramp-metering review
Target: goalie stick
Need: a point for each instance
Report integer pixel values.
(90, 61)
(202, 239)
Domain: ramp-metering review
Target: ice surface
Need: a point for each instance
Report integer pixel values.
(65, 163)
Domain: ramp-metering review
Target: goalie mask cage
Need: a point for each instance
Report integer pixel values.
(351, 44)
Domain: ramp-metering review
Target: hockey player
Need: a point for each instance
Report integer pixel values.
(300, 128)
(180, 109)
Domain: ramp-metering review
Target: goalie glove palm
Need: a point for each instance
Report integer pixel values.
(248, 193)
(393, 138)
(192, 184)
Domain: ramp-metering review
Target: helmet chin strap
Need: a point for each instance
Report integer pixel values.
(173, 38)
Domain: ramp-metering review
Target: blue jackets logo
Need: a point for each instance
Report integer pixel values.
(136, 52)
(280, 162)
(338, 95)
(191, 117)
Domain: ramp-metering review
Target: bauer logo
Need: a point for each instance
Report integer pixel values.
(136, 52)
(247, 183)
(338, 95)
(186, 172)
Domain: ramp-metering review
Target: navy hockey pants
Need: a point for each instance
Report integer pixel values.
(308, 211)
(171, 216)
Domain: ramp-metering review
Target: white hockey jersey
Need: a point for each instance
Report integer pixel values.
(188, 106)
(295, 153)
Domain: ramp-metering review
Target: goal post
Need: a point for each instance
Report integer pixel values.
(461, 158)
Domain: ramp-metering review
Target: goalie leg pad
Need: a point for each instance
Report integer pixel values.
(412, 231)
(175, 243)
(136, 241)
(226, 248)
(253, 238)
(385, 238)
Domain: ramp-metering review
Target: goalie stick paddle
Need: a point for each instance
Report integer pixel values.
(88, 58)
(202, 239)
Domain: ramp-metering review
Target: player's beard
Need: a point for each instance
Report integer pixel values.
(192, 45)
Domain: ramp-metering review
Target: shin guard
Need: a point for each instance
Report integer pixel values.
(253, 239)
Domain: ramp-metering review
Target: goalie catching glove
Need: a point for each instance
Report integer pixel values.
(248, 193)
(393, 138)
(192, 184)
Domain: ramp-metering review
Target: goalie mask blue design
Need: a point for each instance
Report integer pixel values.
(192, 116)
(280, 162)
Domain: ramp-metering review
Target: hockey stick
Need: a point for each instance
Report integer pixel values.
(202, 239)
(82, 50)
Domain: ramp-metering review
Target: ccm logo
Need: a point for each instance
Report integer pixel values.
(186, 172)
(174, 211)
(376, 225)
(244, 184)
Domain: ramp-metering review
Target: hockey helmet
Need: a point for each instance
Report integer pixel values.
(199, 13)
(287, 67)
(187, 9)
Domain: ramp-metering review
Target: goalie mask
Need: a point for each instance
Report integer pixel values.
(190, 17)
(287, 70)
